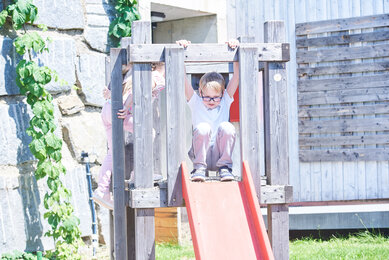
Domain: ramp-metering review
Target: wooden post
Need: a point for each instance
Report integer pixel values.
(175, 109)
(257, 90)
(143, 143)
(111, 231)
(119, 195)
(276, 141)
(249, 107)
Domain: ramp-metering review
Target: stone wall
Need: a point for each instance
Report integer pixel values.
(79, 33)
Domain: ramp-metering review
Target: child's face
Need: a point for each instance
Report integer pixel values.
(211, 97)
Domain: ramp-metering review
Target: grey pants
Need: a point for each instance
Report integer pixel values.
(212, 156)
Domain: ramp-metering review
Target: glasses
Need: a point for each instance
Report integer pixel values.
(208, 99)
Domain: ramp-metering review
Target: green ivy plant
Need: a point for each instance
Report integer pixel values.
(126, 14)
(45, 145)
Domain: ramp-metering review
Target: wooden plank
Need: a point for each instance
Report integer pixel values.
(148, 198)
(276, 194)
(344, 68)
(364, 82)
(342, 39)
(143, 143)
(343, 125)
(342, 24)
(368, 154)
(344, 140)
(343, 110)
(276, 141)
(120, 223)
(343, 96)
(175, 109)
(110, 214)
(209, 52)
(345, 53)
(249, 101)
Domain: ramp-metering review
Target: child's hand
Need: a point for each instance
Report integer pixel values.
(106, 93)
(183, 43)
(122, 114)
(233, 43)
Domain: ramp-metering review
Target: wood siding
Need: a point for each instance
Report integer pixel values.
(321, 181)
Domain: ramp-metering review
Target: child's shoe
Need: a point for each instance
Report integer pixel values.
(198, 175)
(103, 199)
(225, 174)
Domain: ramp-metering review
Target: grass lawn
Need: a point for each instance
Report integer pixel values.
(362, 246)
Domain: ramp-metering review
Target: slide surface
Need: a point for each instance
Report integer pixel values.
(225, 219)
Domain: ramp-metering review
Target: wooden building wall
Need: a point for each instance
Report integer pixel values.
(313, 181)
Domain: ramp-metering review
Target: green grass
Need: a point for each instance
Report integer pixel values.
(365, 245)
(174, 252)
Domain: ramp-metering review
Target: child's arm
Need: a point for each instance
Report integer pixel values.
(234, 82)
(188, 86)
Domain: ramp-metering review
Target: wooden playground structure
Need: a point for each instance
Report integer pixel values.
(263, 127)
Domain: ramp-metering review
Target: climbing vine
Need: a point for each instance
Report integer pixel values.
(45, 145)
(126, 14)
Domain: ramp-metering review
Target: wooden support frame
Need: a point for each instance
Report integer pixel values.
(144, 198)
(276, 141)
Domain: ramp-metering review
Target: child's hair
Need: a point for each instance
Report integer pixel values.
(212, 80)
(127, 71)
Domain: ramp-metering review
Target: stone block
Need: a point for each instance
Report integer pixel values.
(91, 75)
(14, 120)
(71, 104)
(60, 58)
(21, 207)
(85, 132)
(60, 14)
(8, 62)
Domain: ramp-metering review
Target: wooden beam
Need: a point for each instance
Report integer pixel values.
(342, 39)
(120, 223)
(343, 68)
(143, 143)
(343, 110)
(342, 24)
(372, 154)
(343, 83)
(344, 140)
(343, 125)
(340, 54)
(250, 104)
(156, 197)
(111, 221)
(209, 52)
(276, 141)
(175, 109)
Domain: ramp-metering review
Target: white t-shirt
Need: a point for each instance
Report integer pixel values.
(215, 116)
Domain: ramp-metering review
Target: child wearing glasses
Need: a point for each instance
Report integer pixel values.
(213, 136)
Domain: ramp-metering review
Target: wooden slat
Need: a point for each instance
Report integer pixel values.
(342, 39)
(344, 140)
(200, 68)
(343, 125)
(343, 96)
(143, 143)
(120, 223)
(276, 141)
(344, 110)
(363, 82)
(209, 52)
(345, 53)
(175, 115)
(343, 68)
(373, 154)
(342, 24)
(249, 101)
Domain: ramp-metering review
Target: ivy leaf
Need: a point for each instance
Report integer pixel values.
(37, 148)
(53, 141)
(3, 17)
(18, 19)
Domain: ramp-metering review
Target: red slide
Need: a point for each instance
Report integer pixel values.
(225, 219)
